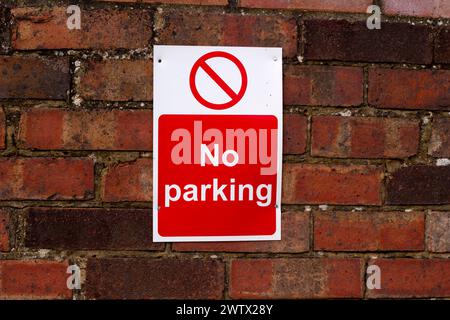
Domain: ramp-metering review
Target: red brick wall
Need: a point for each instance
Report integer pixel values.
(366, 138)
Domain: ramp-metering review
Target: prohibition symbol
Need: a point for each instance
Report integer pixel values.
(234, 96)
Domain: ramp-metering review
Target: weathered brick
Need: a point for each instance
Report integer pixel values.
(42, 128)
(294, 238)
(90, 229)
(295, 133)
(4, 31)
(117, 80)
(438, 231)
(195, 2)
(213, 29)
(142, 278)
(442, 51)
(37, 28)
(4, 230)
(369, 231)
(423, 8)
(409, 89)
(323, 85)
(35, 279)
(46, 178)
(352, 41)
(364, 137)
(296, 278)
(440, 138)
(420, 184)
(412, 278)
(34, 77)
(2, 130)
(336, 184)
(130, 181)
(312, 5)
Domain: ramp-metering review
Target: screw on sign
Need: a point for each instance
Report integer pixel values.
(217, 143)
(202, 63)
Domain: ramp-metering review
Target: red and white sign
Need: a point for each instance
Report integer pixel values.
(217, 143)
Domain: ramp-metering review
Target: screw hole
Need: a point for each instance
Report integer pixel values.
(159, 60)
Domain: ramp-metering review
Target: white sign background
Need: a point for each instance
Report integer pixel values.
(172, 95)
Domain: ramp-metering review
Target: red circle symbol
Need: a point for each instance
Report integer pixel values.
(202, 63)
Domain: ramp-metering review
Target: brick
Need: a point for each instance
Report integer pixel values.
(117, 80)
(312, 5)
(336, 184)
(412, 278)
(294, 238)
(131, 278)
(364, 137)
(295, 133)
(34, 77)
(422, 8)
(4, 230)
(409, 89)
(369, 231)
(37, 28)
(90, 229)
(4, 31)
(438, 231)
(129, 181)
(46, 178)
(323, 85)
(219, 29)
(194, 2)
(351, 41)
(440, 138)
(34, 279)
(2, 130)
(420, 184)
(47, 129)
(296, 278)
(442, 50)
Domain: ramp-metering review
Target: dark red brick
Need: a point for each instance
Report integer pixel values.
(42, 128)
(90, 229)
(409, 89)
(4, 230)
(34, 279)
(194, 2)
(117, 80)
(364, 137)
(323, 85)
(295, 132)
(2, 130)
(336, 184)
(294, 238)
(351, 41)
(420, 184)
(37, 28)
(46, 178)
(129, 181)
(442, 51)
(296, 278)
(412, 278)
(227, 29)
(146, 278)
(34, 77)
(369, 231)
(4, 31)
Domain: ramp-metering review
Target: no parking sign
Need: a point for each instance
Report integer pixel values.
(217, 143)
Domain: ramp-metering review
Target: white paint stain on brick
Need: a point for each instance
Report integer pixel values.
(442, 162)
